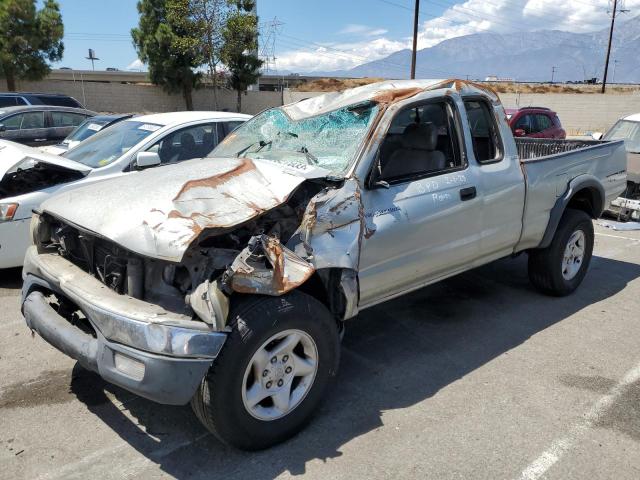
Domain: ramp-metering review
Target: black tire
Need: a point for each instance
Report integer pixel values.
(218, 402)
(545, 265)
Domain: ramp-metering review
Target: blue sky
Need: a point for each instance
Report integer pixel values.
(335, 34)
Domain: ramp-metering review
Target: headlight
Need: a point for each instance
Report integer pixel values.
(7, 211)
(33, 228)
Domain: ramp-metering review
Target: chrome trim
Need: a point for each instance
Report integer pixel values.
(119, 318)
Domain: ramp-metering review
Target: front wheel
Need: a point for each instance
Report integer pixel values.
(272, 372)
(560, 268)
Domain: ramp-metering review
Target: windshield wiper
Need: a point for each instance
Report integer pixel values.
(262, 144)
(311, 158)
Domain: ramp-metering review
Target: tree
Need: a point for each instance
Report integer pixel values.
(240, 37)
(211, 16)
(29, 39)
(167, 41)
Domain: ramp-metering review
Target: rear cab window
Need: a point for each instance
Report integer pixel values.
(485, 136)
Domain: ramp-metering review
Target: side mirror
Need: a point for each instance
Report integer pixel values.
(374, 180)
(597, 135)
(147, 159)
(2, 128)
(519, 132)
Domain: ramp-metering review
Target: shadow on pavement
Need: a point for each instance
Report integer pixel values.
(433, 336)
(11, 278)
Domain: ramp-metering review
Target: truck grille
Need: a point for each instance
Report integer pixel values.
(101, 258)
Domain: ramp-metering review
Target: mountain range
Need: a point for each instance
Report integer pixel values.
(523, 56)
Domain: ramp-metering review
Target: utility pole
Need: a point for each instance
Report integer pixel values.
(613, 75)
(415, 40)
(606, 62)
(553, 73)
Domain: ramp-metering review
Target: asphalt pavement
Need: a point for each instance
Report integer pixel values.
(476, 377)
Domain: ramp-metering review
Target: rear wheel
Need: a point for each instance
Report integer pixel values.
(560, 268)
(272, 372)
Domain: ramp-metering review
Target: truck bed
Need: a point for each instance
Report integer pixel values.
(537, 148)
(549, 167)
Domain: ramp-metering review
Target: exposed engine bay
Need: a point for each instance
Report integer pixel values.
(30, 175)
(250, 258)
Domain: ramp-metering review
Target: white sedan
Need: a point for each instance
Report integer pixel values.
(29, 176)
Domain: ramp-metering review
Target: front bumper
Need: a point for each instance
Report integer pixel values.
(174, 350)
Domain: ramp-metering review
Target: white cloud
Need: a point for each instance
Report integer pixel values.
(337, 56)
(364, 30)
(136, 65)
(464, 18)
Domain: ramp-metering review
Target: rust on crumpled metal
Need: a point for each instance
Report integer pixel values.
(388, 97)
(245, 165)
(285, 271)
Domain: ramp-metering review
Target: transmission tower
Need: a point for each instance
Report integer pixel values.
(267, 49)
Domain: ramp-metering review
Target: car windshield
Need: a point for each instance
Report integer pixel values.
(330, 140)
(627, 131)
(85, 130)
(110, 144)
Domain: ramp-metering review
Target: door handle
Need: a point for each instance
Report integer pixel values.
(39, 139)
(467, 193)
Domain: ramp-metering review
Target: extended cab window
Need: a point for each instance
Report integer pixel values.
(421, 141)
(484, 131)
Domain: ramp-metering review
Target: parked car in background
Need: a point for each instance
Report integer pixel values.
(535, 122)
(627, 206)
(86, 129)
(225, 282)
(28, 175)
(40, 125)
(17, 99)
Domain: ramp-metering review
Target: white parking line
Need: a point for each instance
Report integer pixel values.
(560, 446)
(618, 236)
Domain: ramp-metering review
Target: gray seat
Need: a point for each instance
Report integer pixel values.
(417, 154)
(188, 147)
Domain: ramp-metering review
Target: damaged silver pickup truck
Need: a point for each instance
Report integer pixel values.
(226, 282)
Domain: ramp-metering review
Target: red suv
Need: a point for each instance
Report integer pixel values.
(535, 122)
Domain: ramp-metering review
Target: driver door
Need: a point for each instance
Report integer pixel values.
(426, 224)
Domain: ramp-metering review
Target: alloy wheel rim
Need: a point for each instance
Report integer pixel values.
(573, 255)
(279, 375)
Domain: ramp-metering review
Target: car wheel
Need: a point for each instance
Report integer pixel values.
(560, 268)
(272, 372)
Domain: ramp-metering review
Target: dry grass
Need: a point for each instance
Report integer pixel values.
(503, 87)
(337, 84)
(334, 84)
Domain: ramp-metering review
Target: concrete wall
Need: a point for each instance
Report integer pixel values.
(121, 97)
(579, 113)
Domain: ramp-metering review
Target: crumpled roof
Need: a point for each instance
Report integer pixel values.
(329, 102)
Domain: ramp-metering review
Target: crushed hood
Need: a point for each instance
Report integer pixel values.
(11, 154)
(159, 212)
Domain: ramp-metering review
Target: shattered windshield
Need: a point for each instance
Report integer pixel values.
(111, 143)
(329, 141)
(627, 131)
